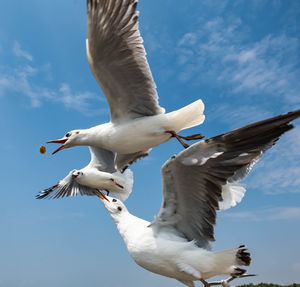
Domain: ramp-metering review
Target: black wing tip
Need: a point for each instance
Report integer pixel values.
(46, 192)
(42, 195)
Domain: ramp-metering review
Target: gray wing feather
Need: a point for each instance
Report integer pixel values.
(66, 187)
(118, 59)
(193, 180)
(102, 159)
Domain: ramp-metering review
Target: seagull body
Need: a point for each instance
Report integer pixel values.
(197, 182)
(98, 175)
(117, 59)
(140, 134)
(169, 254)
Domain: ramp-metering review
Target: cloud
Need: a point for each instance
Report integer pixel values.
(27, 80)
(278, 171)
(222, 52)
(19, 52)
(269, 214)
(78, 101)
(237, 116)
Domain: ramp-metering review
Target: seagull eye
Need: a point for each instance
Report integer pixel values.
(67, 135)
(119, 208)
(114, 200)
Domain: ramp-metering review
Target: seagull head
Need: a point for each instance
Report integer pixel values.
(114, 206)
(71, 139)
(77, 173)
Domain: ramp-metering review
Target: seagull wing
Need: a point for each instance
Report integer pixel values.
(118, 61)
(67, 187)
(195, 180)
(102, 159)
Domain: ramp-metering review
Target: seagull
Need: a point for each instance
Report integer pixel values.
(197, 182)
(100, 174)
(117, 59)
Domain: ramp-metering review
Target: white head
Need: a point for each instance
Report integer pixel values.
(71, 139)
(115, 207)
(77, 174)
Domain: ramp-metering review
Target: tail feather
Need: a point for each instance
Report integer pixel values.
(227, 261)
(188, 116)
(126, 180)
(243, 257)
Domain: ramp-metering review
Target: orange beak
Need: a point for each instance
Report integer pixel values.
(102, 196)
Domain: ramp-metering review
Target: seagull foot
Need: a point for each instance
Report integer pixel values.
(224, 283)
(175, 135)
(116, 183)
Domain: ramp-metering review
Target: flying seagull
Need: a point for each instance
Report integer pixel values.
(197, 182)
(118, 61)
(100, 174)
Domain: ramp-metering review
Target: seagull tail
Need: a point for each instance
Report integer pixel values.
(126, 180)
(187, 117)
(227, 260)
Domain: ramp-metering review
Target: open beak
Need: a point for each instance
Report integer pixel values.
(61, 141)
(102, 196)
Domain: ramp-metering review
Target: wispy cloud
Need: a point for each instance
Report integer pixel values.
(19, 52)
(27, 80)
(220, 52)
(278, 171)
(237, 116)
(277, 213)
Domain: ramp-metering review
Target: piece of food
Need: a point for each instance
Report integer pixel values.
(42, 149)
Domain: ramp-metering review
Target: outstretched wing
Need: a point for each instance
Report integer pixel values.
(102, 159)
(67, 187)
(118, 61)
(195, 182)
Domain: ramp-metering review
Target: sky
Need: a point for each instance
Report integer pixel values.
(240, 57)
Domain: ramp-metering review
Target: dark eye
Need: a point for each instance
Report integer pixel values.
(67, 135)
(114, 200)
(119, 208)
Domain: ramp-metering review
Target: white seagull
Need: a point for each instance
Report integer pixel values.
(197, 182)
(100, 174)
(118, 61)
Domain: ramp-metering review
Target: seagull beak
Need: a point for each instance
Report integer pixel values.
(61, 141)
(102, 196)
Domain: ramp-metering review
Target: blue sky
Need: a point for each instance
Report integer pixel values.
(240, 57)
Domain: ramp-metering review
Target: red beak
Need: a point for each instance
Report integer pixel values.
(61, 141)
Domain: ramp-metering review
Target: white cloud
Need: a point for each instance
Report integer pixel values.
(19, 52)
(236, 116)
(278, 171)
(27, 80)
(78, 101)
(277, 213)
(221, 52)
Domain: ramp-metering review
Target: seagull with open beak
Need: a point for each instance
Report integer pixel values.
(118, 62)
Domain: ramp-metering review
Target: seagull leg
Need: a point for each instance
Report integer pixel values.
(175, 135)
(205, 283)
(225, 283)
(192, 137)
